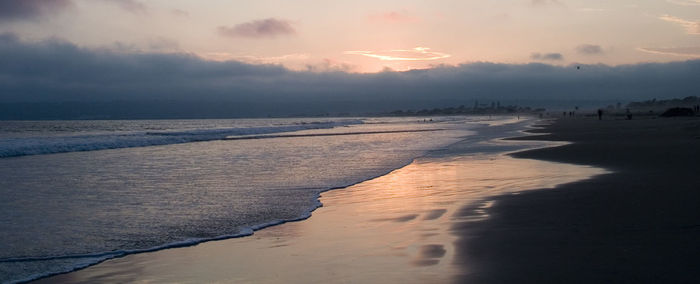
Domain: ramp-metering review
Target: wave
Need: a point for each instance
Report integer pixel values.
(73, 262)
(82, 261)
(15, 147)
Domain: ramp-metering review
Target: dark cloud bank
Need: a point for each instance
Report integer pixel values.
(23, 10)
(30, 9)
(57, 80)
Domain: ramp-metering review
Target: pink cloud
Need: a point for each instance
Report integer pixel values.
(691, 27)
(692, 51)
(414, 54)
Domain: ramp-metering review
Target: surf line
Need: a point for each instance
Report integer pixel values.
(329, 134)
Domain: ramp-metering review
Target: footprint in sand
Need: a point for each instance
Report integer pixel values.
(399, 219)
(434, 214)
(429, 255)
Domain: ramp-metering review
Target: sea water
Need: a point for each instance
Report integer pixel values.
(75, 193)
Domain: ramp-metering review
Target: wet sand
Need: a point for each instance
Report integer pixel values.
(639, 224)
(397, 228)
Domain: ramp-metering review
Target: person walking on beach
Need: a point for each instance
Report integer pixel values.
(629, 114)
(600, 114)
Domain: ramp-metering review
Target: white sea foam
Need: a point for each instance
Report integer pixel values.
(23, 146)
(193, 194)
(80, 261)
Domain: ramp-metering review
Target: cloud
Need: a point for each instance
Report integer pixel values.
(294, 61)
(393, 17)
(693, 51)
(265, 28)
(30, 9)
(547, 56)
(253, 59)
(589, 49)
(685, 2)
(415, 54)
(330, 65)
(132, 6)
(691, 27)
(57, 79)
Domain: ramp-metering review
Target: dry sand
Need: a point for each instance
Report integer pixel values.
(640, 224)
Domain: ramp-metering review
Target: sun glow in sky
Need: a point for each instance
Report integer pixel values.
(370, 36)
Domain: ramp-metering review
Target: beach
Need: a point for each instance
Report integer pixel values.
(638, 224)
(396, 228)
(76, 193)
(533, 141)
(604, 208)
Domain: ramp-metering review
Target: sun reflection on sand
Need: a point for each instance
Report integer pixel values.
(395, 228)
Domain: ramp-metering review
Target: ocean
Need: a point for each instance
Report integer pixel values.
(75, 193)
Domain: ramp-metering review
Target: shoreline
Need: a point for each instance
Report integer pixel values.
(373, 170)
(637, 224)
(246, 232)
(397, 226)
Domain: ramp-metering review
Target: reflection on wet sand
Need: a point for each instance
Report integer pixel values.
(395, 228)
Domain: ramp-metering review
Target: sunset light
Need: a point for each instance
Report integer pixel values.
(415, 54)
(362, 141)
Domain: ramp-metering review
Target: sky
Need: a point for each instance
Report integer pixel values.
(369, 36)
(89, 50)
